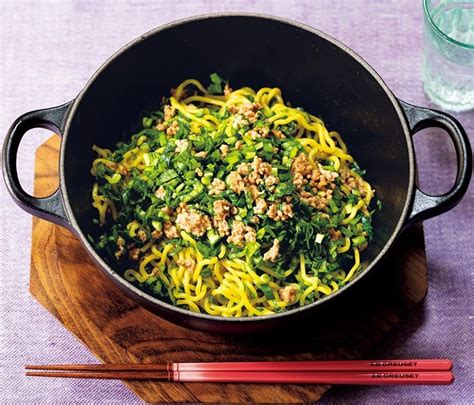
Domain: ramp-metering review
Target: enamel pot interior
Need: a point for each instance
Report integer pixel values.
(311, 71)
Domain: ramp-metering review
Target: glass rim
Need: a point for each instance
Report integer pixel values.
(440, 31)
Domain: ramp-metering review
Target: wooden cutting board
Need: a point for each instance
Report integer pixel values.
(117, 330)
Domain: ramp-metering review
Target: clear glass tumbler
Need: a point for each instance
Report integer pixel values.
(448, 58)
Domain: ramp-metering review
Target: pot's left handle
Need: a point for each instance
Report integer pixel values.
(50, 208)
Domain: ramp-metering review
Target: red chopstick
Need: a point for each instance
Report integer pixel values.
(335, 365)
(316, 377)
(280, 377)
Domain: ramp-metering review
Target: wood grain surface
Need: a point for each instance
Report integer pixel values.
(117, 330)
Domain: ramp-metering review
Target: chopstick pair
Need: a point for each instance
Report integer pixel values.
(370, 372)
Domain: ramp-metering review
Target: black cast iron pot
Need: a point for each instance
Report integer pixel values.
(312, 69)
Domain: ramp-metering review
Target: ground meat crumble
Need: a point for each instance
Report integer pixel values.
(192, 221)
(241, 233)
(216, 187)
(353, 182)
(169, 112)
(320, 181)
(181, 145)
(259, 132)
(224, 149)
(288, 293)
(283, 214)
(260, 206)
(247, 110)
(160, 193)
(222, 209)
(120, 247)
(334, 234)
(236, 182)
(170, 230)
(142, 235)
(156, 234)
(272, 254)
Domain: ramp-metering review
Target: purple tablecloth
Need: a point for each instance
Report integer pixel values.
(48, 51)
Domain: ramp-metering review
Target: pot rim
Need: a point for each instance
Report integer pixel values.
(202, 316)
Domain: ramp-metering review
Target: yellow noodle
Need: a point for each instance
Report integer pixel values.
(104, 161)
(142, 266)
(201, 264)
(354, 267)
(353, 213)
(306, 292)
(192, 117)
(308, 280)
(211, 118)
(345, 247)
(202, 99)
(324, 289)
(103, 153)
(339, 140)
(261, 93)
(179, 90)
(192, 306)
(133, 275)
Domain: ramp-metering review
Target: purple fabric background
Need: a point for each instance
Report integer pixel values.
(48, 50)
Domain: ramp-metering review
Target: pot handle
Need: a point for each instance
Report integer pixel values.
(50, 208)
(427, 206)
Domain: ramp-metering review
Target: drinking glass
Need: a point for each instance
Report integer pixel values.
(448, 58)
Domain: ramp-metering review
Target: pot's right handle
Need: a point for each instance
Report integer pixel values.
(424, 205)
(50, 208)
